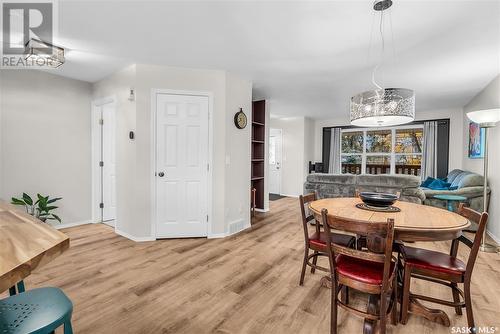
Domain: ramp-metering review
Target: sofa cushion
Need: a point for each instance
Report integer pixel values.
(438, 184)
(332, 178)
(336, 185)
(427, 181)
(471, 180)
(458, 178)
(453, 174)
(389, 181)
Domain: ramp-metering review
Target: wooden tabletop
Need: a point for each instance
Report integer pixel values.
(415, 222)
(25, 244)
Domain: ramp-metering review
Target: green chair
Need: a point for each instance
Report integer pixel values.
(20, 288)
(38, 311)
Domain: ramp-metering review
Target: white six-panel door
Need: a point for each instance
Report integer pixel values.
(181, 165)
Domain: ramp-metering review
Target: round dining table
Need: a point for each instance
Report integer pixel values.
(414, 222)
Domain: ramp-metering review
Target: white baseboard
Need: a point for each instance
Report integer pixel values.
(494, 237)
(262, 210)
(67, 225)
(131, 237)
(217, 235)
(244, 228)
(226, 234)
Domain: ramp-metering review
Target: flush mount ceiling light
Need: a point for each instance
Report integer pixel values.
(382, 106)
(44, 54)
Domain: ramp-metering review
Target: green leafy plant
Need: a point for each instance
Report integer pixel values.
(41, 208)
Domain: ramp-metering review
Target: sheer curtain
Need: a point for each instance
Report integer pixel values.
(334, 167)
(429, 158)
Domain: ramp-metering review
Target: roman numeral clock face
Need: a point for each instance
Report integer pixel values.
(240, 119)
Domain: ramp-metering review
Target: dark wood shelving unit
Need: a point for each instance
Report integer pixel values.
(258, 152)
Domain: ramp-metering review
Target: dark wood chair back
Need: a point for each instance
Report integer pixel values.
(306, 215)
(379, 240)
(480, 219)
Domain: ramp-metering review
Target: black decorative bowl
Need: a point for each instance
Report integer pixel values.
(378, 199)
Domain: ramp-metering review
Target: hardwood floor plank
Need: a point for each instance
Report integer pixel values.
(246, 283)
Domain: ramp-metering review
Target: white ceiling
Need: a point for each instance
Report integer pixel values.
(311, 57)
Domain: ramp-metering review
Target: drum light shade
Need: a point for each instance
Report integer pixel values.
(383, 107)
(485, 118)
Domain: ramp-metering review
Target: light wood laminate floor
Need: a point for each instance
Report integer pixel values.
(247, 283)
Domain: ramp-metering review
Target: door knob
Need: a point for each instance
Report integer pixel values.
(161, 174)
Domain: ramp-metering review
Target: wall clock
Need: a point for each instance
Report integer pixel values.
(240, 119)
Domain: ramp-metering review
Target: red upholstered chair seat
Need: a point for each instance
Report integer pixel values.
(361, 270)
(320, 241)
(433, 261)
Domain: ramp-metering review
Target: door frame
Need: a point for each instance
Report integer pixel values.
(96, 155)
(281, 156)
(209, 95)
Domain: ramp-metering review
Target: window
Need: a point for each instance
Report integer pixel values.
(378, 151)
(383, 151)
(352, 150)
(408, 151)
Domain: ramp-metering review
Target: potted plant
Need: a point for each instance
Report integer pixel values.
(41, 208)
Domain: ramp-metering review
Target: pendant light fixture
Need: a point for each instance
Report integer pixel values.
(44, 54)
(382, 106)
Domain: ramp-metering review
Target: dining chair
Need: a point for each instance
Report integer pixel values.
(372, 270)
(37, 311)
(18, 288)
(316, 242)
(444, 269)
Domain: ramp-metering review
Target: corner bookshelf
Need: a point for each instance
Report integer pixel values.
(258, 151)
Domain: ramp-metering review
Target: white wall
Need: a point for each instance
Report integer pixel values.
(45, 140)
(159, 77)
(238, 152)
(231, 185)
(456, 132)
(128, 218)
(488, 98)
(309, 141)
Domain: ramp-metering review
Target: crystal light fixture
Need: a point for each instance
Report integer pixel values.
(42, 54)
(382, 106)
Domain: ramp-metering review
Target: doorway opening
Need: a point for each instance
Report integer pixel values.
(275, 162)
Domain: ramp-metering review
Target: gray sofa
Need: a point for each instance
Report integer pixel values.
(345, 185)
(469, 185)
